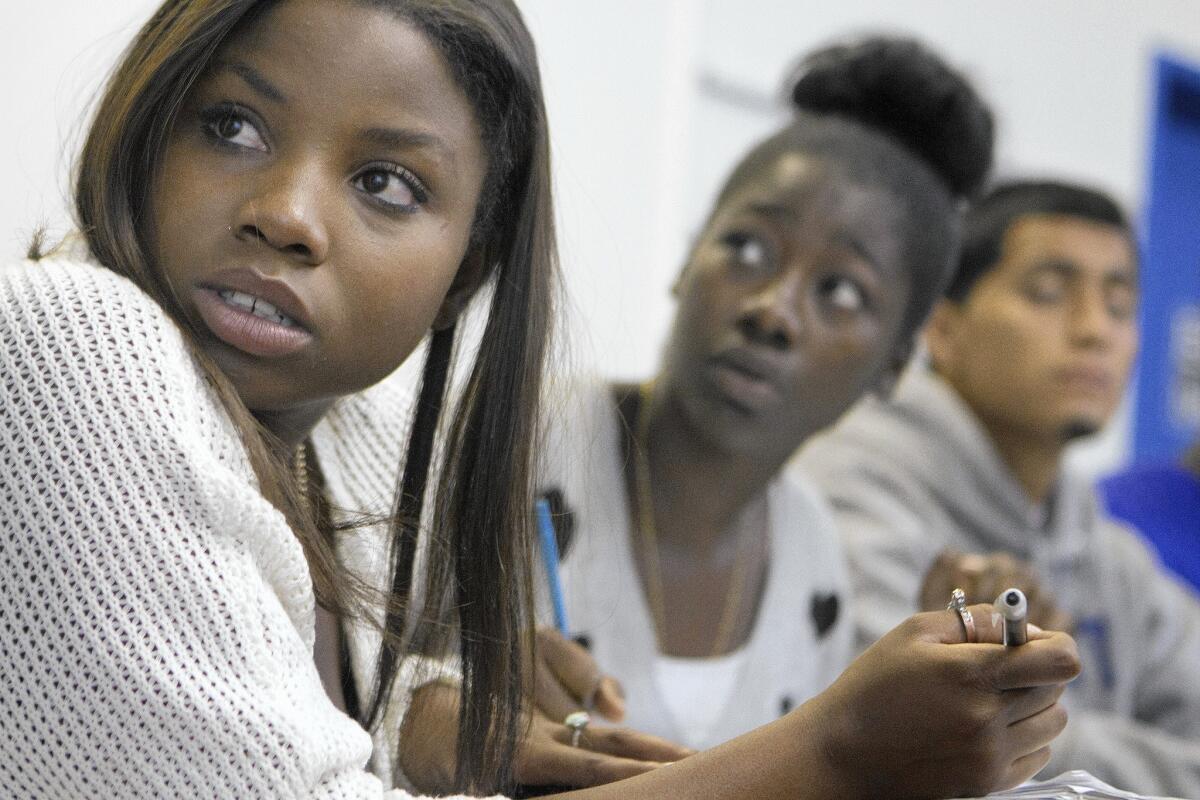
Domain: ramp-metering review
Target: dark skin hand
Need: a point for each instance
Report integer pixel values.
(982, 577)
(988, 715)
(566, 680)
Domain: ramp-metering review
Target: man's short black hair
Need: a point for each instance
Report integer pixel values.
(989, 220)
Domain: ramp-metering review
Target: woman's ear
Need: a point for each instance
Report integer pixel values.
(471, 274)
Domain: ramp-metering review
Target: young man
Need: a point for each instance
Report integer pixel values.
(958, 478)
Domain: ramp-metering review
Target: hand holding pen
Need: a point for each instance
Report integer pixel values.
(568, 686)
(567, 679)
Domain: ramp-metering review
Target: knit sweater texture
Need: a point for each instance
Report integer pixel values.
(156, 612)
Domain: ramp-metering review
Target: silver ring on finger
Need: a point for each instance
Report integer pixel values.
(577, 722)
(958, 604)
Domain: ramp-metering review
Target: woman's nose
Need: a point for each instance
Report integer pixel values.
(284, 212)
(771, 316)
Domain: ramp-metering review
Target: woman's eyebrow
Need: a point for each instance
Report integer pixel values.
(407, 139)
(787, 215)
(848, 240)
(254, 79)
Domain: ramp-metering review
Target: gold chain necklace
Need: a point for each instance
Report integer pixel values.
(648, 533)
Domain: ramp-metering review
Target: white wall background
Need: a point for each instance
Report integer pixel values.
(651, 101)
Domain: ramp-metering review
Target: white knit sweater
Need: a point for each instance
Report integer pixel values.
(156, 612)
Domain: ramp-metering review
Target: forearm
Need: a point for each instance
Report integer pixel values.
(429, 738)
(784, 759)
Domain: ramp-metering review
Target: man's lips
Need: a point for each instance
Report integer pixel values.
(1091, 379)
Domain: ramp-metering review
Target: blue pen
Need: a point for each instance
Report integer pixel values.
(550, 559)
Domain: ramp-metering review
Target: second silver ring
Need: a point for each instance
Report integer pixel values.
(577, 722)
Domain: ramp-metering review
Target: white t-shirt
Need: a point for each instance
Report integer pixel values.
(682, 680)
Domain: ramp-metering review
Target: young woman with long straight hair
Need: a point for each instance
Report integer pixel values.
(277, 201)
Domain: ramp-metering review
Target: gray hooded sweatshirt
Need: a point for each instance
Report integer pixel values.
(916, 474)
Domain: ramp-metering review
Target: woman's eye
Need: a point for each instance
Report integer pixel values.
(748, 251)
(845, 295)
(233, 128)
(394, 188)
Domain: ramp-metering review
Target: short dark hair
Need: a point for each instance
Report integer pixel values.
(989, 220)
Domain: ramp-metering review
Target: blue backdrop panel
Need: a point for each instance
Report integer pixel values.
(1168, 400)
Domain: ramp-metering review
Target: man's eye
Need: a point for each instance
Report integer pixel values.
(1122, 302)
(232, 128)
(1047, 289)
(394, 187)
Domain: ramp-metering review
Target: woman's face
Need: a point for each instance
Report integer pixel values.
(789, 308)
(316, 199)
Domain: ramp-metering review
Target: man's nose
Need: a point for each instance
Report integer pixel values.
(1091, 319)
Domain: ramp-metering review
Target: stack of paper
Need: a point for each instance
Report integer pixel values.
(1074, 785)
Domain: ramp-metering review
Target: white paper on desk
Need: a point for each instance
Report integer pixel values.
(1074, 785)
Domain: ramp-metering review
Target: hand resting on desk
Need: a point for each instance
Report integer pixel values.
(566, 679)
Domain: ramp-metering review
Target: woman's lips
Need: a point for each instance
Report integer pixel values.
(244, 330)
(742, 385)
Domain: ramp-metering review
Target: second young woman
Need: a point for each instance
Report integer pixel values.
(706, 576)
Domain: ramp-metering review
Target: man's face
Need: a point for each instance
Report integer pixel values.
(1042, 345)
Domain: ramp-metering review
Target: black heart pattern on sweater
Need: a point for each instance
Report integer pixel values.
(824, 610)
